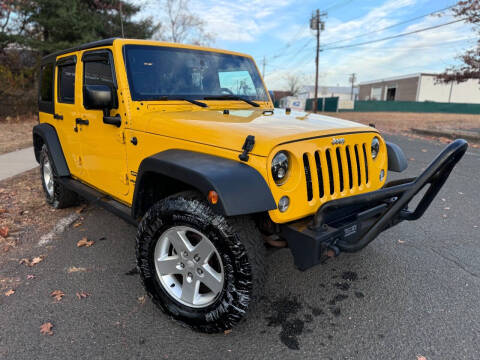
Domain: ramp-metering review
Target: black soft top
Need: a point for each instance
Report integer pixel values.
(105, 42)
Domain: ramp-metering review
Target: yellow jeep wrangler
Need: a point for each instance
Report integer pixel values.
(184, 142)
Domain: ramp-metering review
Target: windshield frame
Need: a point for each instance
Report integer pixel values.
(142, 97)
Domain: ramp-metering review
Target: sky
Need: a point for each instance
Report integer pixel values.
(278, 31)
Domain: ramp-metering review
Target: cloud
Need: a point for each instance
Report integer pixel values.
(242, 20)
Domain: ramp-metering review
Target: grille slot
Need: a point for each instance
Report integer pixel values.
(308, 176)
(366, 162)
(319, 174)
(357, 159)
(330, 171)
(349, 163)
(340, 169)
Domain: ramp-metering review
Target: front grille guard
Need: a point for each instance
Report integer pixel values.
(349, 224)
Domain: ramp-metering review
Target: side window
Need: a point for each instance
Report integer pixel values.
(98, 70)
(66, 83)
(97, 73)
(45, 90)
(46, 83)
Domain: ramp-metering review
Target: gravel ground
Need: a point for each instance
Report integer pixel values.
(413, 292)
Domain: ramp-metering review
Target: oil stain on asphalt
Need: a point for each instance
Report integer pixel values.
(293, 316)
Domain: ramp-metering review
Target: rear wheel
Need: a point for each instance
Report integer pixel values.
(199, 267)
(56, 194)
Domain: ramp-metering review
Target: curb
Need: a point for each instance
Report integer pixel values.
(451, 134)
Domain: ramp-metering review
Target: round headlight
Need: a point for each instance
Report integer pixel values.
(280, 167)
(375, 147)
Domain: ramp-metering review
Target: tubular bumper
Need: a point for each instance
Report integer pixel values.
(349, 224)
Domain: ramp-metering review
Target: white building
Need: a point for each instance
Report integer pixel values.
(420, 87)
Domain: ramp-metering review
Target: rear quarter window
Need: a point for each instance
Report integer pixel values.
(45, 91)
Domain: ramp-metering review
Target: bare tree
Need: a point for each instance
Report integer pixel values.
(293, 84)
(469, 10)
(180, 25)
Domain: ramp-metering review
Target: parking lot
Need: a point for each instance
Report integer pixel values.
(413, 292)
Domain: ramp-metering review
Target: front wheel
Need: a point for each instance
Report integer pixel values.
(200, 268)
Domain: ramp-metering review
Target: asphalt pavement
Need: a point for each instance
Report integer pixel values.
(412, 292)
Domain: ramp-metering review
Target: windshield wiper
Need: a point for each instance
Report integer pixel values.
(191, 101)
(231, 97)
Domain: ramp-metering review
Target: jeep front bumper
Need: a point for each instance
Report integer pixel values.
(349, 224)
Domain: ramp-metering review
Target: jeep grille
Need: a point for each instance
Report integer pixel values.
(349, 162)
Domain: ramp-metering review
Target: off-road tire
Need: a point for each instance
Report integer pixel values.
(61, 197)
(239, 244)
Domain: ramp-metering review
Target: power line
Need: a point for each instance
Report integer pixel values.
(393, 36)
(338, 4)
(390, 26)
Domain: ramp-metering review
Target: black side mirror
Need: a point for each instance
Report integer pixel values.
(98, 97)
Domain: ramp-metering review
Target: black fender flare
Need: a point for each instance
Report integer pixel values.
(397, 161)
(46, 134)
(241, 189)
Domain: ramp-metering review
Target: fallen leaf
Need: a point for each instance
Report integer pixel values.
(228, 331)
(57, 295)
(420, 357)
(32, 262)
(424, 150)
(3, 211)
(72, 269)
(444, 199)
(36, 260)
(4, 231)
(411, 159)
(29, 277)
(46, 329)
(401, 241)
(10, 292)
(445, 216)
(85, 242)
(460, 193)
(77, 224)
(82, 295)
(446, 208)
(141, 299)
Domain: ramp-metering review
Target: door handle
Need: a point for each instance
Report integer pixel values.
(80, 121)
(58, 116)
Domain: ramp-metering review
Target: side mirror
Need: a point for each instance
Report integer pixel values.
(98, 97)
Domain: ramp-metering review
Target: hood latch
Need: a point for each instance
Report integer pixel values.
(247, 147)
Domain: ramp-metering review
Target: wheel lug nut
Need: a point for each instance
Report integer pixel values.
(182, 265)
(196, 258)
(199, 271)
(185, 254)
(189, 277)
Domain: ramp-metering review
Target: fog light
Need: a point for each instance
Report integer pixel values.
(382, 174)
(283, 203)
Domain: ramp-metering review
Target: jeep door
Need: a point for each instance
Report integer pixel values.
(103, 145)
(67, 101)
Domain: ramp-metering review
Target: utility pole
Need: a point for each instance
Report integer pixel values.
(352, 79)
(317, 24)
(264, 62)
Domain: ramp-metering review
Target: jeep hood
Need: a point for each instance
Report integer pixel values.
(228, 131)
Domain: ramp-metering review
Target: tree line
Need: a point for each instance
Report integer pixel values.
(30, 29)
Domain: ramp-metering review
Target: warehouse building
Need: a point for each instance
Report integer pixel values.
(420, 87)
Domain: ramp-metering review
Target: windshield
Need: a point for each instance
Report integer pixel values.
(156, 72)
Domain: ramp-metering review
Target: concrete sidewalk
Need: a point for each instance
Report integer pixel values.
(16, 162)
